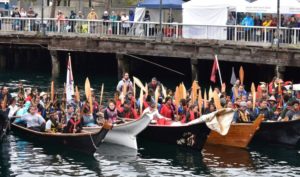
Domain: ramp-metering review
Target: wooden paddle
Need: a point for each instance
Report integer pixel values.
(183, 91)
(141, 101)
(101, 95)
(194, 92)
(253, 95)
(124, 92)
(177, 96)
(223, 89)
(242, 75)
(235, 92)
(200, 101)
(164, 91)
(139, 83)
(217, 100)
(88, 93)
(146, 89)
(205, 98)
(77, 95)
(52, 92)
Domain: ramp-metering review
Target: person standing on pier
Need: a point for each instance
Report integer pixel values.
(92, 16)
(125, 23)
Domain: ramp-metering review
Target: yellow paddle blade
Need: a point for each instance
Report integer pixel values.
(87, 88)
(52, 91)
(217, 100)
(124, 92)
(139, 83)
(77, 94)
(205, 95)
(210, 94)
(253, 92)
(146, 89)
(242, 75)
(101, 94)
(223, 89)
(164, 92)
(183, 91)
(200, 101)
(141, 101)
(194, 92)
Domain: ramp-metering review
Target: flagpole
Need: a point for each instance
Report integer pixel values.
(216, 56)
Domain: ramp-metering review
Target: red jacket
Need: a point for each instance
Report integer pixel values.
(167, 111)
(132, 114)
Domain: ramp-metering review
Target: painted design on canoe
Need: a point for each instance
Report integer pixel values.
(188, 139)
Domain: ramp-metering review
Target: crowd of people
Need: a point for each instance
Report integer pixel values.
(41, 112)
(259, 34)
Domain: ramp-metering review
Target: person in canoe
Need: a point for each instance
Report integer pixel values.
(294, 112)
(111, 112)
(125, 81)
(4, 122)
(191, 114)
(52, 125)
(168, 109)
(88, 119)
(129, 97)
(33, 120)
(127, 111)
(69, 113)
(154, 84)
(157, 117)
(241, 115)
(4, 93)
(265, 110)
(74, 125)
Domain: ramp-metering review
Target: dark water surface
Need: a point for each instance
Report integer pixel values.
(19, 157)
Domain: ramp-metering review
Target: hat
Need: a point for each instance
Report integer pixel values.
(243, 104)
(272, 98)
(43, 93)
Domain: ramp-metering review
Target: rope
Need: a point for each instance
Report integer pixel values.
(93, 141)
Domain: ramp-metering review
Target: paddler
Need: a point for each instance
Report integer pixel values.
(294, 112)
(125, 81)
(155, 84)
(127, 111)
(241, 115)
(111, 112)
(4, 111)
(168, 109)
(191, 114)
(33, 120)
(52, 125)
(88, 119)
(74, 125)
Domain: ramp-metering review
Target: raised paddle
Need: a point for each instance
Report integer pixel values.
(210, 93)
(205, 98)
(139, 83)
(217, 100)
(88, 93)
(77, 95)
(194, 92)
(141, 101)
(156, 96)
(200, 101)
(253, 95)
(164, 92)
(52, 91)
(124, 92)
(242, 75)
(223, 89)
(101, 95)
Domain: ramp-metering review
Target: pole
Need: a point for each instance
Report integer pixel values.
(219, 70)
(160, 20)
(278, 23)
(43, 28)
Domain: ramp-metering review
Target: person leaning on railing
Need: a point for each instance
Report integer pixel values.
(114, 25)
(31, 14)
(292, 24)
(267, 23)
(230, 30)
(92, 16)
(247, 21)
(16, 23)
(81, 27)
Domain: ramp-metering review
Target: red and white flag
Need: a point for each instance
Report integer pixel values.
(214, 70)
(70, 81)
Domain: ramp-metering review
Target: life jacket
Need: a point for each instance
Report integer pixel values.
(131, 114)
(112, 114)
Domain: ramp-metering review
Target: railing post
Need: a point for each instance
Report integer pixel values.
(89, 27)
(177, 30)
(295, 36)
(206, 32)
(235, 33)
(148, 28)
(118, 28)
(58, 26)
(29, 25)
(265, 35)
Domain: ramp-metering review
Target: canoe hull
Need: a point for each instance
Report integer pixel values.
(239, 134)
(287, 133)
(82, 142)
(125, 134)
(191, 135)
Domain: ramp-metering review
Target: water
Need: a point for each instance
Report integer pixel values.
(19, 157)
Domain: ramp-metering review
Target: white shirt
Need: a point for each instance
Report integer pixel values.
(125, 19)
(33, 120)
(12, 110)
(48, 125)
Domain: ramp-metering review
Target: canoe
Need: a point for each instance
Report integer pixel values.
(85, 142)
(125, 134)
(287, 133)
(191, 135)
(239, 134)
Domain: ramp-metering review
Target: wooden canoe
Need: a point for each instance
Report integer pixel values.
(85, 142)
(125, 134)
(190, 135)
(287, 133)
(239, 134)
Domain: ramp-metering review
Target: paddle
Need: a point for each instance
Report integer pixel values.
(124, 92)
(176, 96)
(88, 93)
(205, 98)
(101, 95)
(200, 101)
(164, 92)
(217, 100)
(52, 91)
(77, 95)
(194, 92)
(183, 91)
(242, 74)
(139, 83)
(146, 89)
(253, 95)
(210, 93)
(223, 89)
(141, 101)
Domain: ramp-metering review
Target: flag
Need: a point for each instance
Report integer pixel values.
(214, 71)
(233, 77)
(70, 81)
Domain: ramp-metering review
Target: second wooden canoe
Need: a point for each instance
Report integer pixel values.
(239, 134)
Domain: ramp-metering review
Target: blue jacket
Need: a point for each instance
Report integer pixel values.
(247, 21)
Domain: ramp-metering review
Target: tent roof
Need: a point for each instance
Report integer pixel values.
(166, 4)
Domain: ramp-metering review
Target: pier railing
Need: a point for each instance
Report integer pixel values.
(151, 30)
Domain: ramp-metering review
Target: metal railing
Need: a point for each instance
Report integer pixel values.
(152, 30)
